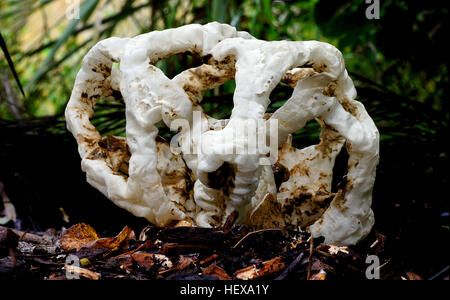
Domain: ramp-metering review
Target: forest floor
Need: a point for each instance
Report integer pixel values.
(183, 252)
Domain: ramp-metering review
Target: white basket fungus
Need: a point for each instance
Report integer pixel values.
(214, 174)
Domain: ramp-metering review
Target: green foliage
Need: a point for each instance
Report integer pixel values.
(383, 55)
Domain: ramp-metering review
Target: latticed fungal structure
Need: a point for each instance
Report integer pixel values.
(141, 173)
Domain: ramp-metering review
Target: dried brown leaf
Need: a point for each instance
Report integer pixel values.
(322, 275)
(318, 265)
(82, 236)
(268, 267)
(216, 271)
(8, 239)
(209, 259)
(185, 262)
(77, 236)
(147, 260)
(414, 276)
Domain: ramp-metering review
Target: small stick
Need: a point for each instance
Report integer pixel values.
(12, 254)
(311, 250)
(253, 232)
(291, 267)
(268, 267)
(216, 271)
(374, 244)
(167, 271)
(383, 265)
(209, 259)
(323, 253)
(439, 273)
(230, 221)
(30, 237)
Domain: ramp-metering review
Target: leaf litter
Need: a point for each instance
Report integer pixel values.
(185, 252)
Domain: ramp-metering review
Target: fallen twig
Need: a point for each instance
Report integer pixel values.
(175, 248)
(192, 235)
(209, 259)
(439, 273)
(291, 267)
(268, 267)
(323, 253)
(30, 237)
(230, 221)
(322, 275)
(311, 250)
(216, 271)
(253, 232)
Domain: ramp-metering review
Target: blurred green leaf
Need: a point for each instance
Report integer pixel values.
(86, 9)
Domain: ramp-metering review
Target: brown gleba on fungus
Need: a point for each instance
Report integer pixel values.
(142, 174)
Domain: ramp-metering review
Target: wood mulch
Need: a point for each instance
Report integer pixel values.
(182, 252)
